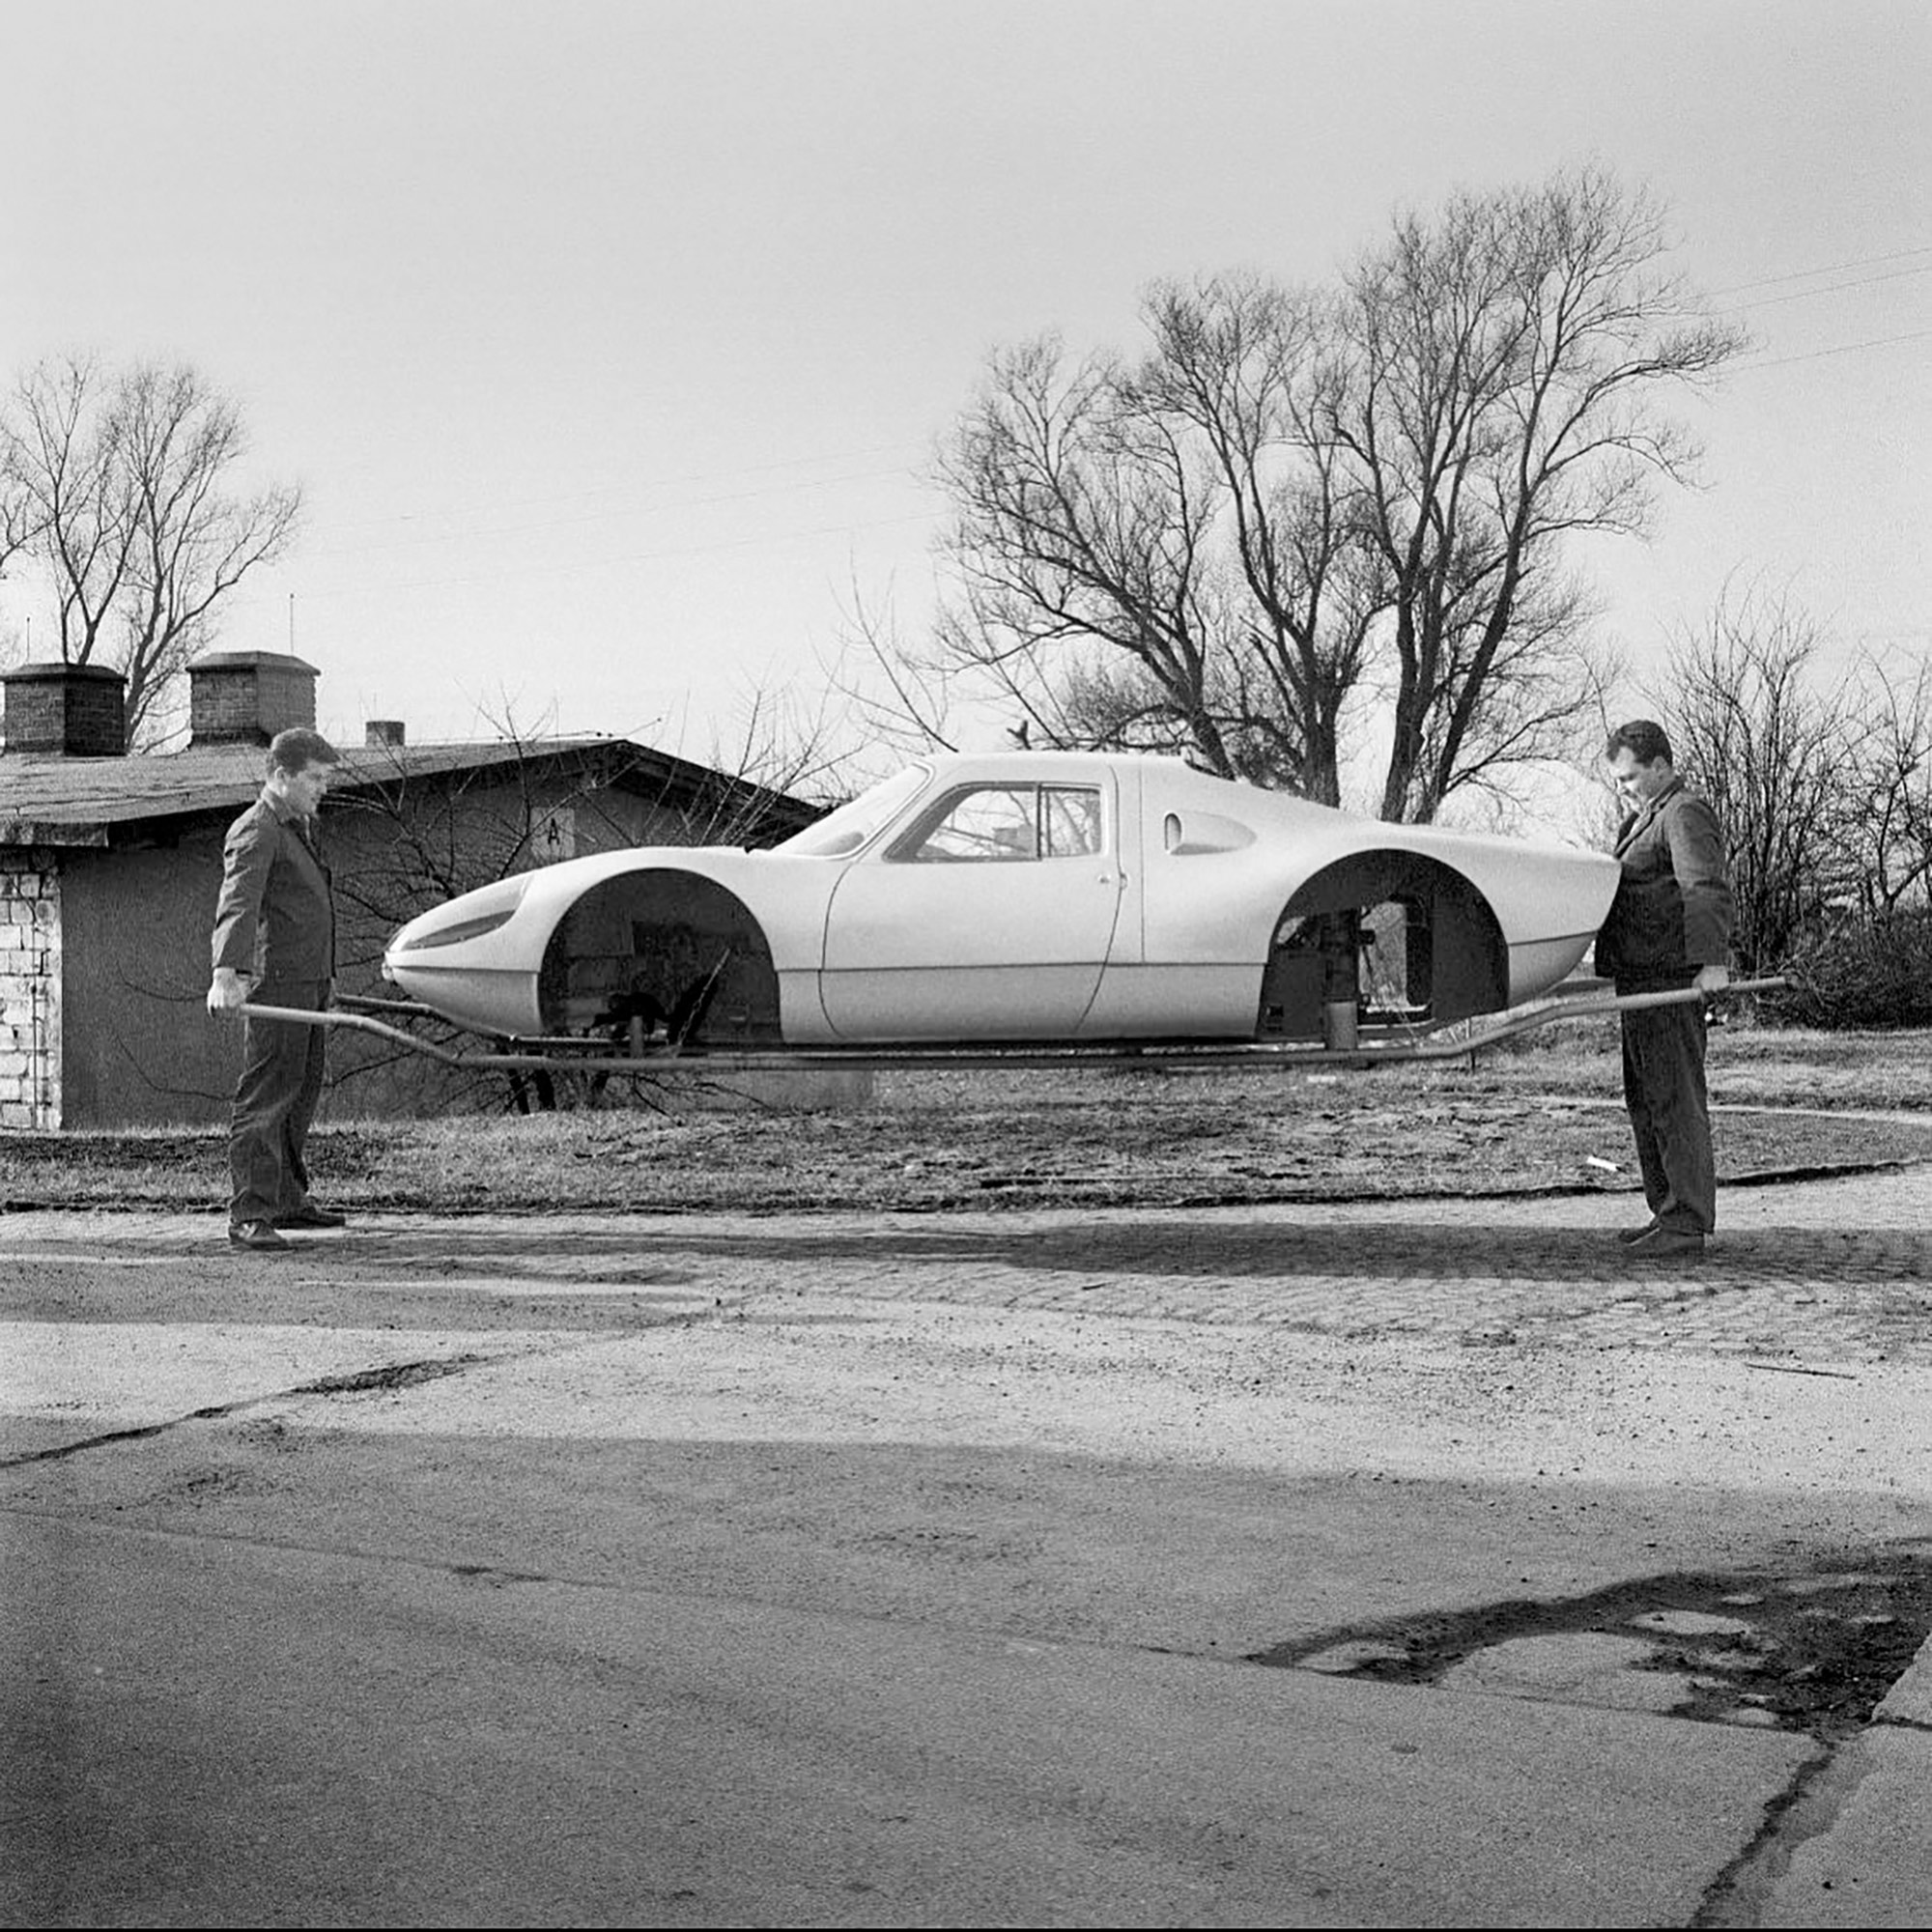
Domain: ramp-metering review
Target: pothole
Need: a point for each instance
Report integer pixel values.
(1799, 1650)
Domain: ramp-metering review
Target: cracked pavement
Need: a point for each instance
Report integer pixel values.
(903, 1569)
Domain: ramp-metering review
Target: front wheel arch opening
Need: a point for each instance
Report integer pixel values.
(660, 955)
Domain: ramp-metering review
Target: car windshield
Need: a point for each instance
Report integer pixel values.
(854, 822)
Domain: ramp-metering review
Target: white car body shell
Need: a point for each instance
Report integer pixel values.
(1164, 932)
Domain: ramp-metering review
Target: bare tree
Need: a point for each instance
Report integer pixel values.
(59, 450)
(18, 522)
(777, 744)
(1891, 779)
(1252, 372)
(124, 505)
(1773, 753)
(900, 696)
(1863, 957)
(1300, 505)
(1095, 591)
(1506, 364)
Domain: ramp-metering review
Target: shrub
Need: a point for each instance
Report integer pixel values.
(1877, 973)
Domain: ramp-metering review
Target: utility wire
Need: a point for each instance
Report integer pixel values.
(1831, 288)
(623, 489)
(1840, 349)
(1824, 269)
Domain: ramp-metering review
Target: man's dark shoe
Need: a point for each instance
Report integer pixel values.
(1629, 1235)
(310, 1215)
(258, 1236)
(1658, 1244)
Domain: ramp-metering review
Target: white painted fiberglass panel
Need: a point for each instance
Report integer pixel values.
(990, 917)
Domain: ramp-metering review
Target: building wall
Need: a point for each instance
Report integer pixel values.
(31, 953)
(138, 1048)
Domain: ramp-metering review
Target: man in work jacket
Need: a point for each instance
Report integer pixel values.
(274, 946)
(1669, 927)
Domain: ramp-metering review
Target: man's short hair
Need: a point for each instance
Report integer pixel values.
(1642, 739)
(299, 748)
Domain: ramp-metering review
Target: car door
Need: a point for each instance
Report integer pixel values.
(990, 917)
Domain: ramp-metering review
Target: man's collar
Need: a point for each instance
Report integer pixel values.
(1638, 819)
(1655, 799)
(280, 807)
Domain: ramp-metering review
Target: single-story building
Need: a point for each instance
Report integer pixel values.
(110, 866)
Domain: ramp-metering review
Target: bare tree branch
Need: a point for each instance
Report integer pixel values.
(1298, 504)
(118, 491)
(1891, 775)
(1773, 752)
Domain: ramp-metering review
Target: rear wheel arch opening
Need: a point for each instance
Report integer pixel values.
(1407, 937)
(660, 953)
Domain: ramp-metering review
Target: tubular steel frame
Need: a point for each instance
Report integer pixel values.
(1449, 1042)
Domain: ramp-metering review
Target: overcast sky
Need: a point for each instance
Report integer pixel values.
(609, 341)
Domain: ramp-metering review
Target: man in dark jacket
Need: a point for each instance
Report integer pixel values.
(274, 946)
(1669, 927)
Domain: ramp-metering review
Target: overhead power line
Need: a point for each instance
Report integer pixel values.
(1840, 349)
(1822, 268)
(1831, 288)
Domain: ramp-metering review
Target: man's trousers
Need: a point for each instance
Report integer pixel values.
(1671, 1113)
(274, 1101)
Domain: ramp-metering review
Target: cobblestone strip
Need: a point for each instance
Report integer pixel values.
(1831, 1275)
(1863, 1301)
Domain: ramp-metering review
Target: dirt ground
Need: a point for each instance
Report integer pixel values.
(1546, 1122)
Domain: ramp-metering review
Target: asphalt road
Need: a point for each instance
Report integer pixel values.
(870, 1572)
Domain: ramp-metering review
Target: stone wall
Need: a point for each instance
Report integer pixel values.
(30, 989)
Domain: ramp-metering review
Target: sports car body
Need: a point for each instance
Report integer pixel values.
(1017, 898)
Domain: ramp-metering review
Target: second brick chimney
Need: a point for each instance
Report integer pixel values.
(245, 697)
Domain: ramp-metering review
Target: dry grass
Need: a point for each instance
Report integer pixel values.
(1535, 1118)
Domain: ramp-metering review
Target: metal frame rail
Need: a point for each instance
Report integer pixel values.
(572, 1053)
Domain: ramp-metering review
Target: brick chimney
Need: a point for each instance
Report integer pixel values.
(245, 697)
(382, 734)
(64, 710)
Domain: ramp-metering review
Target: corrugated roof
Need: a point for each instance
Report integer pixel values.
(68, 800)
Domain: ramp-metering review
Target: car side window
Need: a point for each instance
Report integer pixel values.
(1003, 824)
(1069, 821)
(992, 824)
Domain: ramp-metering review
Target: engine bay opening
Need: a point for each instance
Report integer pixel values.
(1396, 938)
(659, 957)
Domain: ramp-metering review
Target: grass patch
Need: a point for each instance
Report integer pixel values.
(1528, 1118)
(1749, 1066)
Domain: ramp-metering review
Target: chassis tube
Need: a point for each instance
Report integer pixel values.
(1449, 1042)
